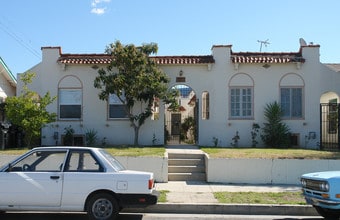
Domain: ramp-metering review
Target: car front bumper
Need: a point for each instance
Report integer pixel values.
(325, 203)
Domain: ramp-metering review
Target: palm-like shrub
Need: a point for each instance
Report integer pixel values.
(275, 133)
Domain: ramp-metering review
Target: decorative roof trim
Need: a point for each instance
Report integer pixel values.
(184, 59)
(84, 59)
(106, 59)
(254, 57)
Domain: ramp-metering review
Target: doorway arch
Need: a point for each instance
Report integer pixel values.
(329, 121)
(181, 126)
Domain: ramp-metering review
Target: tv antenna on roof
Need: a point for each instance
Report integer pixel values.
(263, 42)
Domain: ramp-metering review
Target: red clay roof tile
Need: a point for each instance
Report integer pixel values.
(240, 57)
(84, 59)
(184, 59)
(106, 59)
(251, 57)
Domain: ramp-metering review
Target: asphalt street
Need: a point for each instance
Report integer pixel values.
(149, 216)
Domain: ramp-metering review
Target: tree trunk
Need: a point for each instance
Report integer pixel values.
(136, 129)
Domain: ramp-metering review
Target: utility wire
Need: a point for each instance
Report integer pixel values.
(19, 40)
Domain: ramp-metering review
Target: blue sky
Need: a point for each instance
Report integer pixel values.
(179, 27)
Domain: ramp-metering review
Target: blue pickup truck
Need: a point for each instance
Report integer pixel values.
(322, 191)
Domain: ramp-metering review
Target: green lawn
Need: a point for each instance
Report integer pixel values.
(162, 196)
(279, 198)
(214, 152)
(151, 151)
(270, 153)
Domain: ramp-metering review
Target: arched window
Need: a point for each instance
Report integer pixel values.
(241, 89)
(205, 105)
(70, 98)
(291, 96)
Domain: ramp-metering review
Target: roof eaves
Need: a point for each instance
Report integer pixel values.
(12, 79)
(106, 59)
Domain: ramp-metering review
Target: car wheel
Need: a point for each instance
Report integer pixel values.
(102, 206)
(328, 214)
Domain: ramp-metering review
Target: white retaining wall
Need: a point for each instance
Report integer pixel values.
(157, 165)
(238, 171)
(264, 171)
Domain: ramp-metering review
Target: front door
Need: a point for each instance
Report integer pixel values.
(176, 124)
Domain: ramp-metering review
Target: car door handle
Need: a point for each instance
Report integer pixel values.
(54, 177)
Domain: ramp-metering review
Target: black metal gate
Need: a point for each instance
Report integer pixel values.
(329, 126)
(181, 128)
(175, 125)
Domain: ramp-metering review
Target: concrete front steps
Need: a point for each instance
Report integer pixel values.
(186, 167)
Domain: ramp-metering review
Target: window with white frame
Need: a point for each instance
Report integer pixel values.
(291, 102)
(117, 108)
(70, 102)
(241, 102)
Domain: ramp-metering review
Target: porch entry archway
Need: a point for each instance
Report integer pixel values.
(181, 126)
(329, 121)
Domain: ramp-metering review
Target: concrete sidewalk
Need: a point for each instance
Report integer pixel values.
(202, 192)
(192, 197)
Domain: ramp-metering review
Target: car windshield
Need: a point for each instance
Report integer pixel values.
(115, 163)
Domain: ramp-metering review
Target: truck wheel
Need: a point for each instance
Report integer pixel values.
(102, 206)
(328, 214)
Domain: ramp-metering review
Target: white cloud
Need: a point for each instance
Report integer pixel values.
(97, 6)
(98, 11)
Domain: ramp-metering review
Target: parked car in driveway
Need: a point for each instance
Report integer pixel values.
(322, 190)
(73, 179)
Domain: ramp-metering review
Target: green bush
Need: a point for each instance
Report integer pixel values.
(275, 133)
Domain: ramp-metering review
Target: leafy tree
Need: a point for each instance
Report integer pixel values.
(275, 132)
(189, 124)
(134, 78)
(28, 110)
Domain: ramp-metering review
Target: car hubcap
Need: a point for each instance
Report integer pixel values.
(102, 209)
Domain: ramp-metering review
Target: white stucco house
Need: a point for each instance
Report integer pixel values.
(227, 92)
(8, 84)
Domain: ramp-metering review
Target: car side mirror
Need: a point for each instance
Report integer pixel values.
(9, 169)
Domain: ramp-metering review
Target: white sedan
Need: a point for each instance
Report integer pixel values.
(73, 179)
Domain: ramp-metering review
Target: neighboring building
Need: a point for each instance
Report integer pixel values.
(8, 84)
(227, 93)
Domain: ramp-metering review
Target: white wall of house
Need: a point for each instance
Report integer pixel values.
(266, 85)
(51, 75)
(315, 78)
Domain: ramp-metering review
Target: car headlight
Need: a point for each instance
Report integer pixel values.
(303, 182)
(324, 186)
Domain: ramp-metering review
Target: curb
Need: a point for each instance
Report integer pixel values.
(233, 209)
